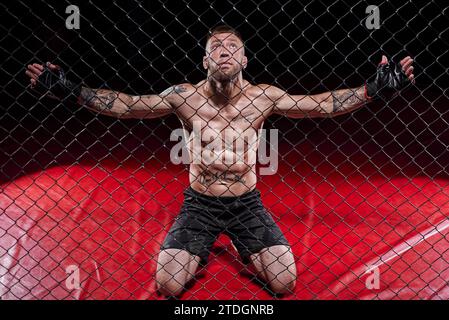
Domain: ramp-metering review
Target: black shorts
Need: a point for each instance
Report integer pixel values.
(243, 218)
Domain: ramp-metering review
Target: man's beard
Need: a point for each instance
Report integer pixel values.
(223, 76)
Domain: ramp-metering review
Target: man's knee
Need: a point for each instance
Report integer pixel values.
(283, 283)
(175, 268)
(168, 286)
(277, 265)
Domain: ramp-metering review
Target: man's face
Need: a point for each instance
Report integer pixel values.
(225, 56)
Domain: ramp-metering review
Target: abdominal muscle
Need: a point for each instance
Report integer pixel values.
(223, 180)
(217, 170)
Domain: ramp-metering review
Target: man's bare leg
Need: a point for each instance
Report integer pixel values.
(175, 267)
(276, 266)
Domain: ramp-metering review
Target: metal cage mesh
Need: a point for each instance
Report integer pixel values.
(86, 200)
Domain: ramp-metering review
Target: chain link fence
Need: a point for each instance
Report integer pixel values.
(87, 199)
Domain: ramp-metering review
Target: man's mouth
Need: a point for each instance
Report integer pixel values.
(225, 65)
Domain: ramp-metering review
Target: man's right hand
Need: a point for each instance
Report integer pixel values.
(35, 70)
(50, 79)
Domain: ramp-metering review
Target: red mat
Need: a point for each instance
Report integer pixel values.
(108, 220)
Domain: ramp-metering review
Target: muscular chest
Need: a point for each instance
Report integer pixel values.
(241, 115)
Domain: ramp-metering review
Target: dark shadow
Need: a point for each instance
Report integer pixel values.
(229, 256)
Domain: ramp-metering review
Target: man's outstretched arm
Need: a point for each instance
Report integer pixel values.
(326, 104)
(121, 105)
(389, 78)
(51, 79)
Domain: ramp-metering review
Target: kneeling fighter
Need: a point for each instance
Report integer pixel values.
(222, 196)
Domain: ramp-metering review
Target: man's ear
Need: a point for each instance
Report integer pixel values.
(244, 62)
(205, 63)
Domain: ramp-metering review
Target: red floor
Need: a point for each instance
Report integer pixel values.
(110, 219)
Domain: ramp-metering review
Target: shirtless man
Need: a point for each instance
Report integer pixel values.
(222, 197)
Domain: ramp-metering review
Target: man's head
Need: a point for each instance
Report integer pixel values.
(225, 53)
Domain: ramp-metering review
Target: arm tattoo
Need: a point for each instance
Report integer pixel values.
(174, 89)
(101, 99)
(345, 98)
(207, 178)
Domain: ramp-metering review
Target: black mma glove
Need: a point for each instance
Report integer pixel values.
(388, 80)
(56, 85)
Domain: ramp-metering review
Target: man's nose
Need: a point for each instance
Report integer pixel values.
(224, 53)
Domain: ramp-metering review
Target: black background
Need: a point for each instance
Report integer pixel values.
(304, 47)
